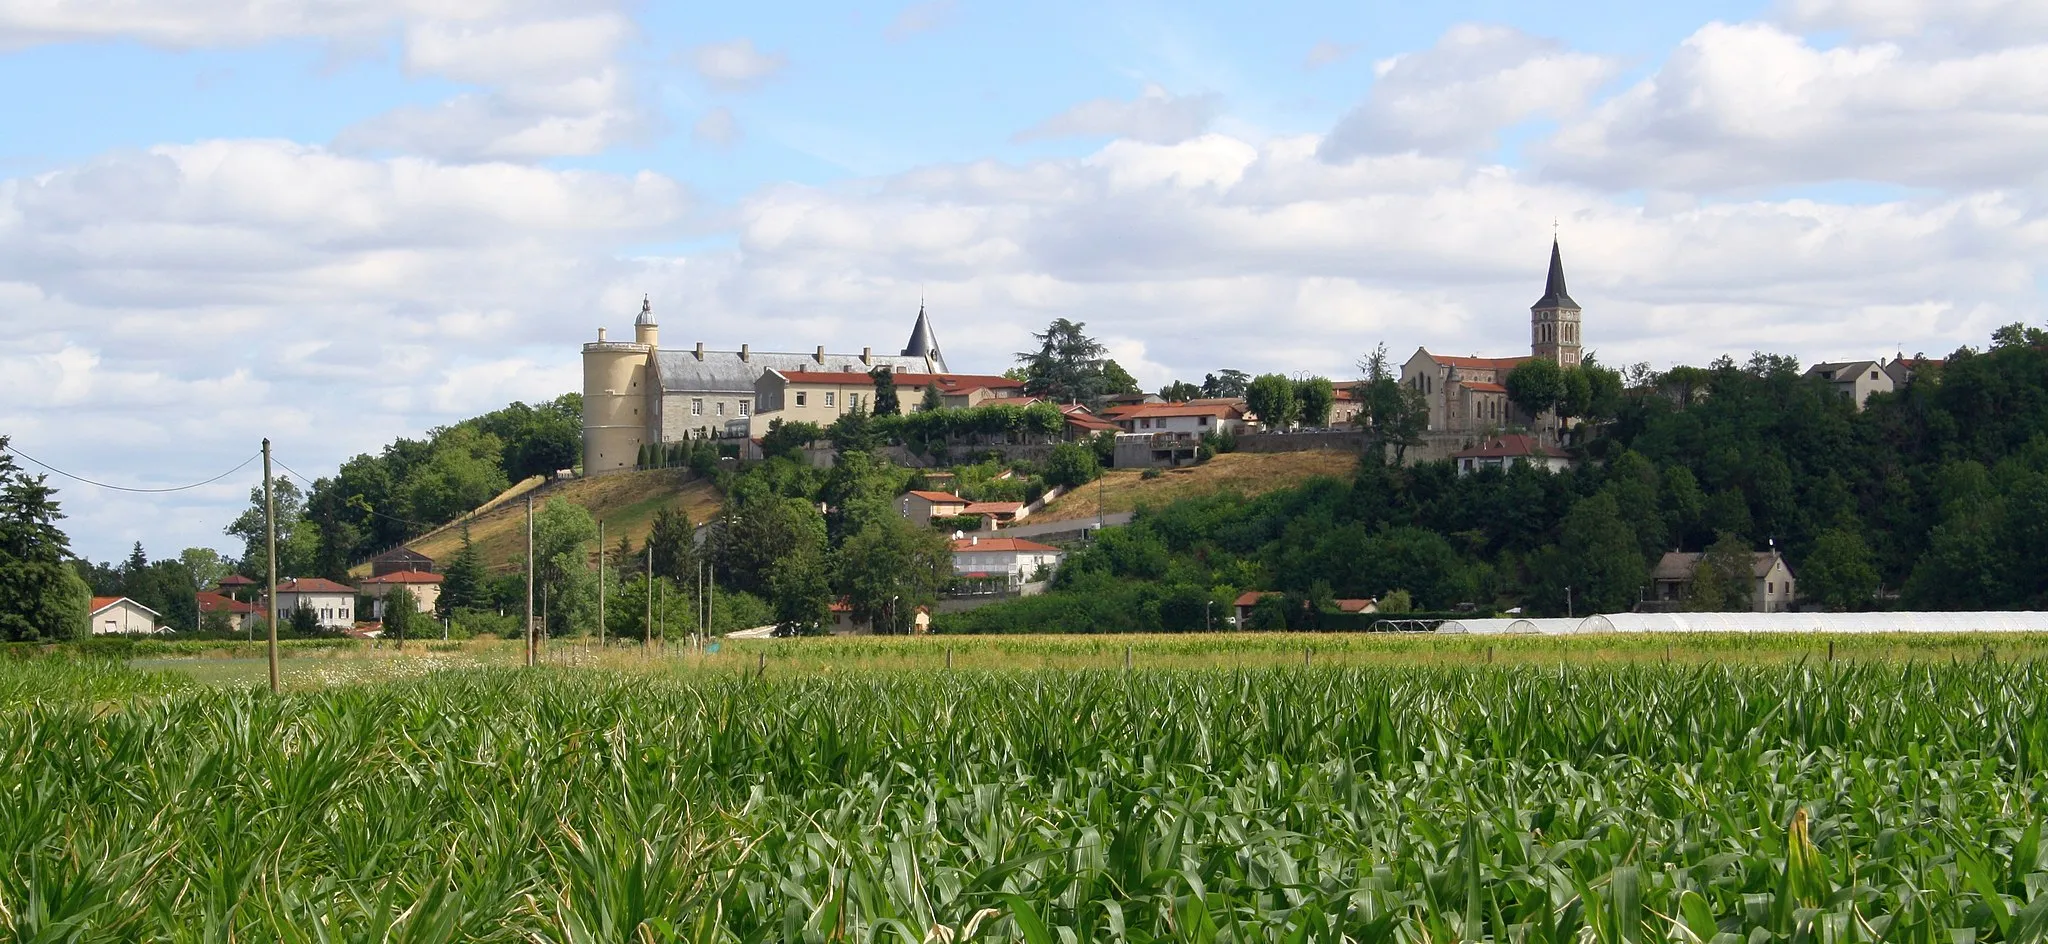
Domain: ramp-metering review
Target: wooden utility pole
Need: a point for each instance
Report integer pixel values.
(270, 540)
(600, 586)
(531, 651)
(647, 632)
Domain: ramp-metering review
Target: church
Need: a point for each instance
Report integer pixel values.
(1469, 394)
(637, 392)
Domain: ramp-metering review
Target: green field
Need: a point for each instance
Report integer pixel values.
(859, 790)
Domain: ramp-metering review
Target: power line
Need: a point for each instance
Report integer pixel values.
(124, 488)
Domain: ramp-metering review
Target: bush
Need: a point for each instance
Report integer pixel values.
(1071, 464)
(1153, 473)
(957, 523)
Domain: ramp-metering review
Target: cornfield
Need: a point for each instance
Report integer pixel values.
(1711, 803)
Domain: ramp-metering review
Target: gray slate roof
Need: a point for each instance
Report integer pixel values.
(1554, 295)
(923, 343)
(724, 372)
(1679, 565)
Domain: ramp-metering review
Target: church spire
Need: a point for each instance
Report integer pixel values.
(1554, 294)
(922, 342)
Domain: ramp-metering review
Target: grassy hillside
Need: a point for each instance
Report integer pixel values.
(624, 501)
(1243, 472)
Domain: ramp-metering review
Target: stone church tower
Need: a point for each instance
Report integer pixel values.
(1554, 319)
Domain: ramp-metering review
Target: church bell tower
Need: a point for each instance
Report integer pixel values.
(1554, 319)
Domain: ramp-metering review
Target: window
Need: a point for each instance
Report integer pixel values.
(829, 397)
(1771, 587)
(743, 406)
(1204, 421)
(1873, 375)
(326, 612)
(1144, 423)
(696, 406)
(721, 408)
(799, 399)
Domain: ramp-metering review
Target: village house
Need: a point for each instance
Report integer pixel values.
(236, 612)
(425, 587)
(400, 560)
(922, 506)
(1855, 381)
(995, 514)
(1002, 565)
(1513, 449)
(332, 604)
(1770, 590)
(120, 615)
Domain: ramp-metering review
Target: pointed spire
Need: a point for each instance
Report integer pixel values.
(923, 343)
(646, 312)
(1554, 294)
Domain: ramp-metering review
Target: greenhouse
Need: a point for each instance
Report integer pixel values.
(1982, 622)
(1560, 626)
(1477, 627)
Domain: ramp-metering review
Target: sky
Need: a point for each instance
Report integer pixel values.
(336, 222)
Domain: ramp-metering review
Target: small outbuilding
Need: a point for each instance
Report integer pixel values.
(120, 615)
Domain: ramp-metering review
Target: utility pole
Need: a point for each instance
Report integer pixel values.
(600, 586)
(647, 633)
(530, 653)
(270, 540)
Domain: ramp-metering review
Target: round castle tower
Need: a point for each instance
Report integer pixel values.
(617, 397)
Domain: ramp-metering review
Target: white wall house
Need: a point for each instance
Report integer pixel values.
(1014, 561)
(333, 603)
(113, 615)
(922, 506)
(425, 587)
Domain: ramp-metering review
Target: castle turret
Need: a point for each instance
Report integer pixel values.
(923, 343)
(618, 401)
(1554, 319)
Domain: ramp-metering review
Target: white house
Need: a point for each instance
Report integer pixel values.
(1771, 582)
(1512, 449)
(1855, 381)
(334, 604)
(1193, 419)
(1006, 562)
(425, 587)
(121, 615)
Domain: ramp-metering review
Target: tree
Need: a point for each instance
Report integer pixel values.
(1391, 414)
(890, 568)
(205, 566)
(1316, 396)
(462, 581)
(1179, 391)
(303, 621)
(853, 431)
(1536, 385)
(1271, 398)
(1722, 579)
(1226, 383)
(1396, 602)
(1071, 464)
(1116, 381)
(886, 401)
(41, 597)
(1067, 367)
(932, 400)
(789, 439)
(674, 542)
(563, 532)
(749, 537)
(801, 590)
(298, 540)
(1840, 572)
(1600, 562)
(401, 611)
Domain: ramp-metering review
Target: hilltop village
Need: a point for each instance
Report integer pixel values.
(891, 490)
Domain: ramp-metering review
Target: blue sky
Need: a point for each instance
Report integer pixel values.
(337, 222)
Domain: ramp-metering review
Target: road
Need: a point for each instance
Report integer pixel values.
(1032, 529)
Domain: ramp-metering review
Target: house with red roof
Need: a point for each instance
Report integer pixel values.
(1001, 565)
(425, 587)
(333, 604)
(1501, 452)
(120, 616)
(236, 611)
(821, 396)
(922, 505)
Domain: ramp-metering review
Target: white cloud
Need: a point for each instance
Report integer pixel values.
(187, 301)
(1156, 116)
(524, 53)
(920, 18)
(1327, 53)
(736, 64)
(1970, 23)
(1455, 97)
(1749, 105)
(717, 128)
(195, 23)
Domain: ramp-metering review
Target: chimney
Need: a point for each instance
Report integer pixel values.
(820, 355)
(867, 355)
(743, 352)
(600, 335)
(700, 350)
(975, 541)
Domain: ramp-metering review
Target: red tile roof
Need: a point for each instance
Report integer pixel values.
(1482, 386)
(1483, 363)
(1252, 597)
(404, 576)
(236, 580)
(1084, 421)
(1009, 401)
(1353, 606)
(1158, 410)
(1001, 545)
(312, 585)
(101, 603)
(942, 498)
(1510, 446)
(215, 603)
(994, 508)
(947, 383)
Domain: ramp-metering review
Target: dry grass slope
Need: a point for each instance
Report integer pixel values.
(624, 501)
(1243, 472)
